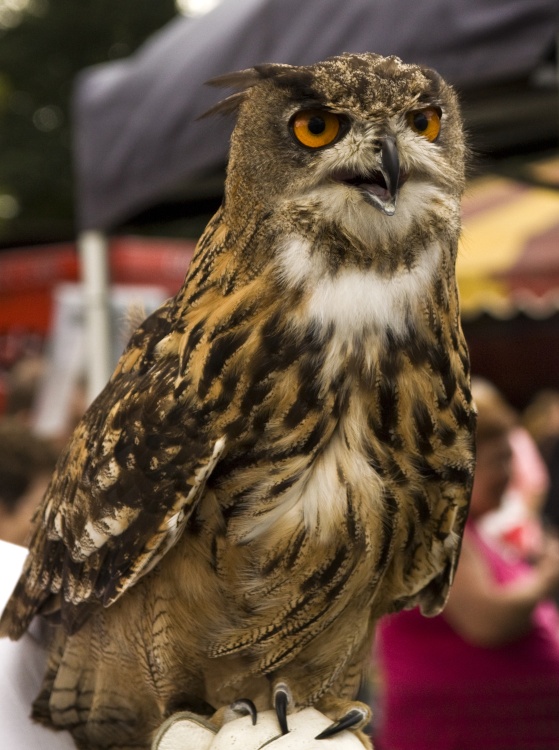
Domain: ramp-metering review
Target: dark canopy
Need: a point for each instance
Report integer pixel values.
(137, 136)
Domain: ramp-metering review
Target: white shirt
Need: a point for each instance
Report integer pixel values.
(22, 666)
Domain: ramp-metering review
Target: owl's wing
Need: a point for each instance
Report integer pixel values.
(123, 490)
(445, 548)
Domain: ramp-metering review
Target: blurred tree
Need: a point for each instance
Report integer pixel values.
(43, 44)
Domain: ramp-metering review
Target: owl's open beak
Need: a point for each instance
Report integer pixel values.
(379, 187)
(390, 169)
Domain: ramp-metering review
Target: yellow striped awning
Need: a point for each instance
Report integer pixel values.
(508, 260)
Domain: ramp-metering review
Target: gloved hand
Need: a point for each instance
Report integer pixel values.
(185, 731)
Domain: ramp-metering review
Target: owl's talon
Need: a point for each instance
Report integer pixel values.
(354, 719)
(282, 698)
(245, 707)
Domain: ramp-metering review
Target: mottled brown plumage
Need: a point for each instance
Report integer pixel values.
(284, 452)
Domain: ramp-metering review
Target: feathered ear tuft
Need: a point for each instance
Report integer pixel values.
(241, 80)
(228, 106)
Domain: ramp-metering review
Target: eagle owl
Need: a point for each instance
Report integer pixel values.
(284, 452)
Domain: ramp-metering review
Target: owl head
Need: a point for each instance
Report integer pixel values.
(369, 141)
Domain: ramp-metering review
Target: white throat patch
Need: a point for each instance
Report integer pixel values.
(355, 300)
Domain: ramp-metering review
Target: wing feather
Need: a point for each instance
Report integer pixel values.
(124, 488)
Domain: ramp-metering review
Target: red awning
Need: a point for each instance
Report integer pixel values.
(27, 275)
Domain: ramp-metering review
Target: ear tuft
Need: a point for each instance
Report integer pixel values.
(228, 106)
(241, 81)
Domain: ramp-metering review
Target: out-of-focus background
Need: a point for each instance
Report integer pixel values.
(107, 178)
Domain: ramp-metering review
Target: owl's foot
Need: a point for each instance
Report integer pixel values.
(352, 715)
(355, 718)
(245, 707)
(282, 700)
(241, 707)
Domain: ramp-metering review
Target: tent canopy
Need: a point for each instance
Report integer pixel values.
(137, 139)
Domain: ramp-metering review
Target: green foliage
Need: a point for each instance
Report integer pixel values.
(41, 51)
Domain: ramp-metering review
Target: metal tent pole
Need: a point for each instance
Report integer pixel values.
(93, 253)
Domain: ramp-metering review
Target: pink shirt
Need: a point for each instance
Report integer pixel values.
(443, 693)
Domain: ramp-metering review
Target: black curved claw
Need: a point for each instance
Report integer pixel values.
(245, 707)
(353, 717)
(281, 699)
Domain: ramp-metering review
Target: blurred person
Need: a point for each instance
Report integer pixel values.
(483, 675)
(26, 465)
(541, 417)
(61, 402)
(34, 388)
(518, 521)
(71, 411)
(551, 505)
(22, 387)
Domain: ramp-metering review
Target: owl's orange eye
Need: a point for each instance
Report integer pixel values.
(425, 122)
(315, 128)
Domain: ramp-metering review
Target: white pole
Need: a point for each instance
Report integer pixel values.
(93, 252)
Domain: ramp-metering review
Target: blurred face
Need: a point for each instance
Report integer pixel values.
(493, 473)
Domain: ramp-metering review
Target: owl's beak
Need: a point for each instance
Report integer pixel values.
(390, 169)
(379, 186)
